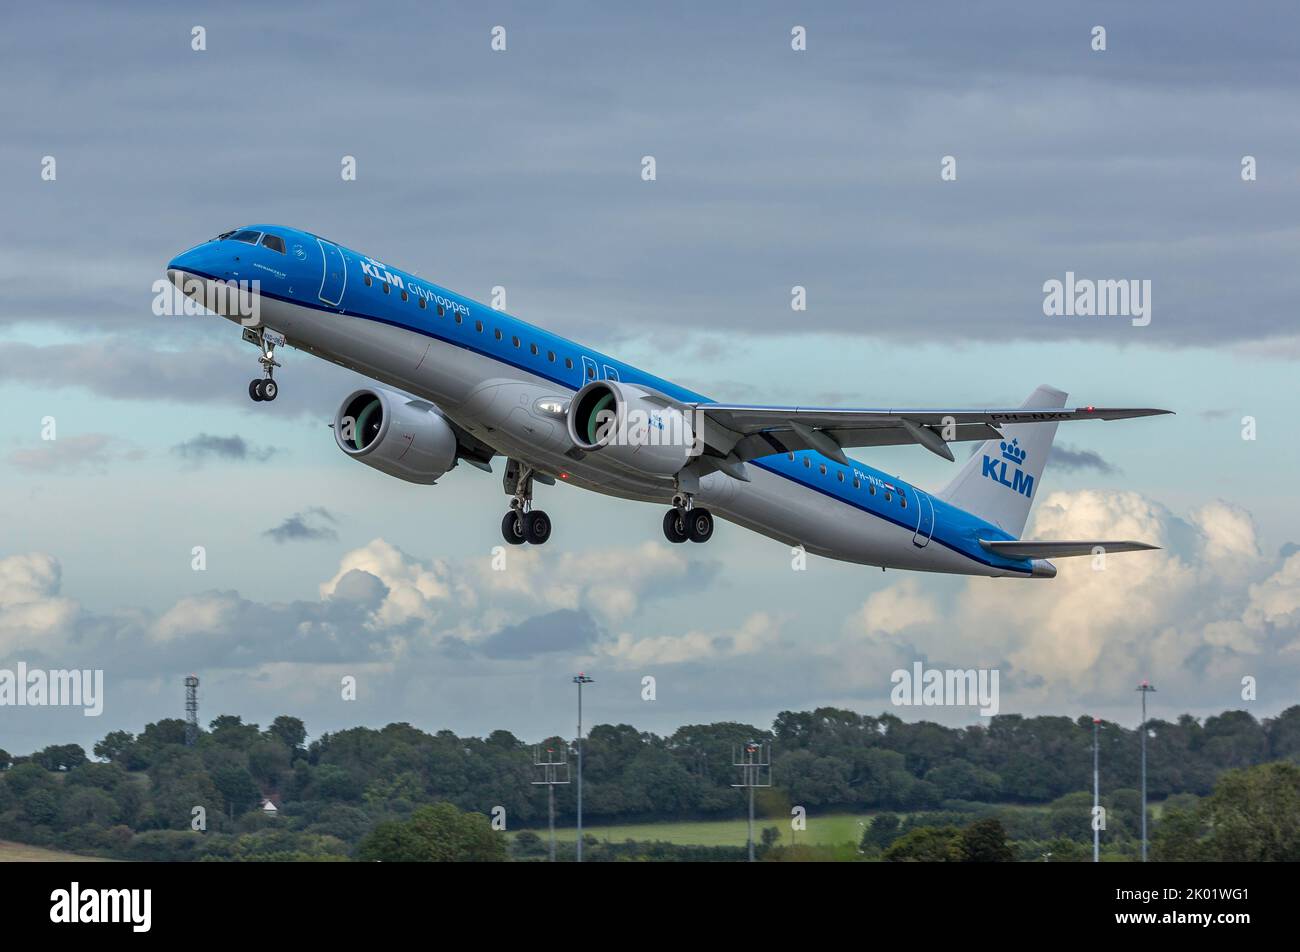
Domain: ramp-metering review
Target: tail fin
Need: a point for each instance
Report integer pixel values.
(1000, 481)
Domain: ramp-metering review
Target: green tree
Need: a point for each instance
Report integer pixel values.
(927, 844)
(435, 833)
(985, 841)
(115, 746)
(881, 832)
(1177, 838)
(1254, 815)
(289, 731)
(61, 757)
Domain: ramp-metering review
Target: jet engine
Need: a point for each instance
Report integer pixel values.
(396, 434)
(634, 427)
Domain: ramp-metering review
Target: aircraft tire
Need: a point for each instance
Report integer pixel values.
(699, 525)
(675, 525)
(537, 527)
(512, 529)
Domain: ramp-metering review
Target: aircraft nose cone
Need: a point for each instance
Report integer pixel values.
(179, 266)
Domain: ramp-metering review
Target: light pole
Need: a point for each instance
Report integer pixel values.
(1146, 688)
(1096, 794)
(580, 680)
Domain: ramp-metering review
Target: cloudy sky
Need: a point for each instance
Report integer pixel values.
(521, 168)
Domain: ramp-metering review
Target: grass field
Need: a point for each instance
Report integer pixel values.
(830, 829)
(21, 853)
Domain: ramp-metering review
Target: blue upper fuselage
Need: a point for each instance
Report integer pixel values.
(287, 263)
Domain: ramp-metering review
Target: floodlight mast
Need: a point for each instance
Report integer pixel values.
(1146, 688)
(580, 680)
(754, 759)
(550, 766)
(1096, 794)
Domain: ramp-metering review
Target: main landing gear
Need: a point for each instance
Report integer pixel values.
(684, 521)
(523, 523)
(265, 389)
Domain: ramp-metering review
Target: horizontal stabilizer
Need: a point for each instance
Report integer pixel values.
(1030, 549)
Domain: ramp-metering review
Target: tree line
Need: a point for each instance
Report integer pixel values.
(359, 793)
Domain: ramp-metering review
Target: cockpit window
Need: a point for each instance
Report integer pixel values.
(223, 236)
(247, 236)
(274, 242)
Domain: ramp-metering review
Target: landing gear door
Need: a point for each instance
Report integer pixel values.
(334, 275)
(924, 519)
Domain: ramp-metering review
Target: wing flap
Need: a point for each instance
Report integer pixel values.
(751, 432)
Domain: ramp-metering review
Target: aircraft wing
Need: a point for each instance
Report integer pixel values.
(750, 432)
(1029, 549)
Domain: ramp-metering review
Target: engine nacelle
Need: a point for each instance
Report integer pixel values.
(634, 427)
(395, 434)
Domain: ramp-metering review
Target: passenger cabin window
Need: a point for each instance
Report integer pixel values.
(568, 363)
(478, 326)
(550, 355)
(423, 304)
(248, 237)
(902, 501)
(368, 281)
(403, 295)
(274, 242)
(441, 312)
(515, 341)
(498, 333)
(591, 373)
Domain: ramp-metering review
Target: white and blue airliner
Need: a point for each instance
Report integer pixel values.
(458, 381)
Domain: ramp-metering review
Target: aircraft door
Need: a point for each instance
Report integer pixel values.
(924, 519)
(334, 275)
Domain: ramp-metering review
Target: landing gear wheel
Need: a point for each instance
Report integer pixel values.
(269, 390)
(537, 527)
(699, 525)
(675, 525)
(512, 528)
(255, 390)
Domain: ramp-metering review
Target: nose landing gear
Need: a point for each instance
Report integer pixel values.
(265, 389)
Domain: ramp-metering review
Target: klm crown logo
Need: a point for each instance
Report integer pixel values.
(1013, 457)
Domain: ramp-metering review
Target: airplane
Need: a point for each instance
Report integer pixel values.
(458, 381)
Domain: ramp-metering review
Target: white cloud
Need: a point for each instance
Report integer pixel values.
(32, 612)
(758, 632)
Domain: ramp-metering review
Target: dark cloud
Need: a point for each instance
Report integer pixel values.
(563, 630)
(775, 168)
(1066, 457)
(205, 446)
(312, 525)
